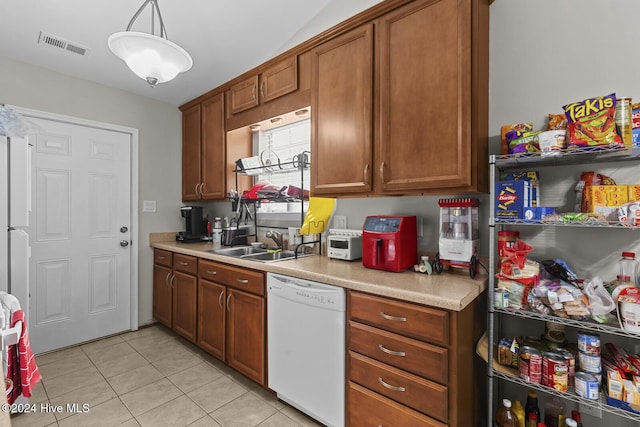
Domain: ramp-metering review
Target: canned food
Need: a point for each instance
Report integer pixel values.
(571, 362)
(530, 364)
(500, 298)
(589, 363)
(589, 343)
(587, 386)
(555, 372)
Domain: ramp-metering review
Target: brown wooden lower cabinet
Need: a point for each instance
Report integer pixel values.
(211, 318)
(367, 408)
(409, 364)
(232, 317)
(175, 292)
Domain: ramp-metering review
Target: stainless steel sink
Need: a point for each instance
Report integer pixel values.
(239, 251)
(270, 256)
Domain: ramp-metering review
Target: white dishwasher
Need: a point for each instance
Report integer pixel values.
(306, 346)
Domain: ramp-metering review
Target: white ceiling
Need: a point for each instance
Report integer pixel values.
(224, 37)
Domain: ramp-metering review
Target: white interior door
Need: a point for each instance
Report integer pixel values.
(80, 234)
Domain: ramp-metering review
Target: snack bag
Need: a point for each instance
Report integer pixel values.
(592, 123)
(588, 178)
(523, 142)
(557, 122)
(518, 128)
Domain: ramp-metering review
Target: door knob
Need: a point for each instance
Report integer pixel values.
(124, 243)
(123, 229)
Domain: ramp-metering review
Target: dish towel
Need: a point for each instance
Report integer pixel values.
(21, 363)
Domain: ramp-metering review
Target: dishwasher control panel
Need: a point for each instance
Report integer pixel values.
(306, 292)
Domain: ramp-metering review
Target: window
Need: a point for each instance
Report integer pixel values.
(280, 149)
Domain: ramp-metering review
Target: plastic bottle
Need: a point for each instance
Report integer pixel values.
(532, 407)
(575, 415)
(628, 271)
(554, 412)
(505, 417)
(216, 234)
(518, 410)
(532, 420)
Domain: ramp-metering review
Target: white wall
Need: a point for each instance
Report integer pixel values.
(159, 126)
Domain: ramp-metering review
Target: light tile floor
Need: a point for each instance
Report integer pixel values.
(151, 377)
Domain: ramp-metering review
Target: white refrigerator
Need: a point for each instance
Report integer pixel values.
(15, 205)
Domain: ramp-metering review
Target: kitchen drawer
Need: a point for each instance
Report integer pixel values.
(161, 257)
(367, 409)
(213, 271)
(422, 395)
(185, 263)
(236, 277)
(426, 360)
(409, 319)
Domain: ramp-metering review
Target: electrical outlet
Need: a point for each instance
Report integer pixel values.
(593, 410)
(340, 222)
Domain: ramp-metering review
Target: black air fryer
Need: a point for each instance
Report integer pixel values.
(193, 223)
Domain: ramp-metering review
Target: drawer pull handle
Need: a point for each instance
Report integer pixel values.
(184, 263)
(160, 257)
(391, 352)
(213, 272)
(389, 386)
(239, 280)
(394, 318)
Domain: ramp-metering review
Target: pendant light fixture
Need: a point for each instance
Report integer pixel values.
(152, 58)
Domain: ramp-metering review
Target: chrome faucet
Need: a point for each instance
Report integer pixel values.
(276, 237)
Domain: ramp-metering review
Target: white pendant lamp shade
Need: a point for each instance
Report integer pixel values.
(152, 58)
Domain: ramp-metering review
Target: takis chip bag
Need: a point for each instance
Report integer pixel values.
(592, 122)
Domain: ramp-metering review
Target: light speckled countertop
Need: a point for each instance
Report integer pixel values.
(451, 290)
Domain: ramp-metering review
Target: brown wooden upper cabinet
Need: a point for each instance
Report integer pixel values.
(341, 111)
(277, 80)
(203, 150)
(430, 103)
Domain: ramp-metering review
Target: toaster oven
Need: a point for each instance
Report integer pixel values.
(344, 244)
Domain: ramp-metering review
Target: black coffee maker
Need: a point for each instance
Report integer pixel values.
(195, 230)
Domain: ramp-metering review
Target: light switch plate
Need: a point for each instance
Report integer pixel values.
(340, 222)
(149, 206)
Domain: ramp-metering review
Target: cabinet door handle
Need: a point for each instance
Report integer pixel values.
(228, 298)
(366, 174)
(253, 92)
(212, 272)
(166, 279)
(391, 352)
(173, 276)
(196, 189)
(394, 318)
(220, 300)
(389, 386)
(239, 280)
(382, 165)
(262, 84)
(201, 191)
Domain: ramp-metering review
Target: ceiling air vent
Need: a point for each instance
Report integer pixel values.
(59, 43)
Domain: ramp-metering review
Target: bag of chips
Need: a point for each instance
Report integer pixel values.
(592, 123)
